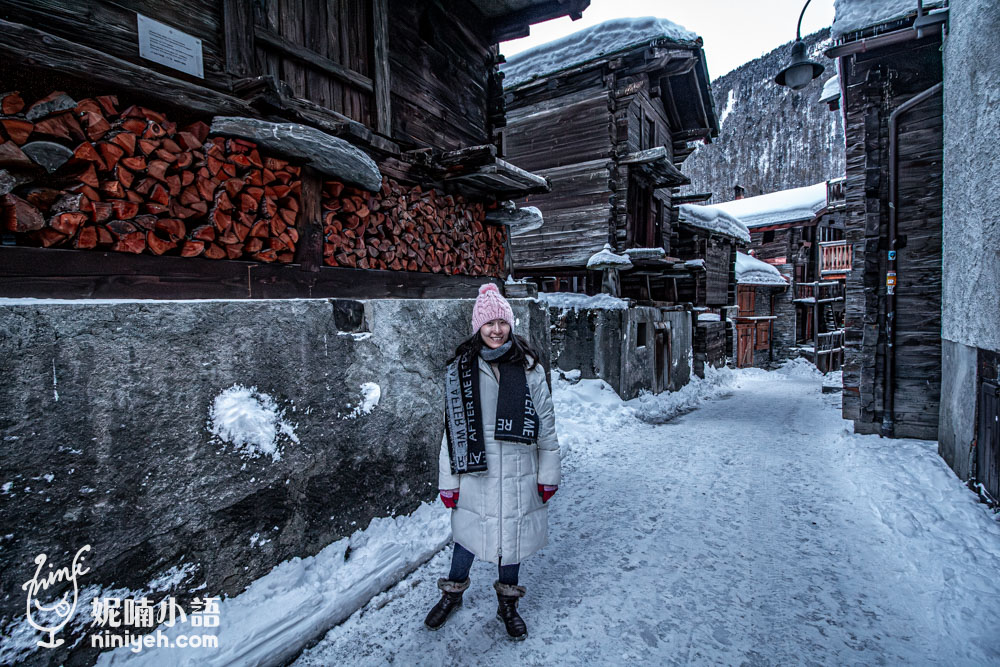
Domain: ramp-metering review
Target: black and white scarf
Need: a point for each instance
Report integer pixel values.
(516, 418)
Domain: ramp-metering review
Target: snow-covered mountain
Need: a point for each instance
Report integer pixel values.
(771, 138)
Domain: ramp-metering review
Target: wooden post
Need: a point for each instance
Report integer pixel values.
(815, 324)
(309, 250)
(380, 58)
(238, 28)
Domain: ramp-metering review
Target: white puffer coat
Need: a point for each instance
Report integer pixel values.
(500, 515)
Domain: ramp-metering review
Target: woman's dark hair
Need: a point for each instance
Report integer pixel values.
(521, 349)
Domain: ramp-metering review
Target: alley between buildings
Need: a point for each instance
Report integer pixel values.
(755, 529)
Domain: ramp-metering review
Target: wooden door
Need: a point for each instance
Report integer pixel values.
(988, 439)
(330, 52)
(744, 345)
(746, 300)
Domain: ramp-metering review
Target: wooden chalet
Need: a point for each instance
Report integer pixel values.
(800, 232)
(189, 149)
(759, 286)
(607, 116)
(890, 83)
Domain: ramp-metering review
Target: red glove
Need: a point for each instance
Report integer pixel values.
(546, 491)
(449, 497)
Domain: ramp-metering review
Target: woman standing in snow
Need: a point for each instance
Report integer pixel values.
(499, 461)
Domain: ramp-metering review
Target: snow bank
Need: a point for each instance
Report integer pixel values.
(714, 220)
(251, 421)
(280, 613)
(775, 208)
(581, 401)
(752, 271)
(853, 15)
(591, 43)
(567, 300)
(799, 368)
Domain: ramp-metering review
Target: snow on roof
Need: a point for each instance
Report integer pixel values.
(831, 89)
(576, 301)
(752, 271)
(714, 220)
(606, 258)
(853, 15)
(590, 43)
(776, 208)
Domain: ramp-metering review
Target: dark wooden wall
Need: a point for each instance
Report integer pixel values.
(440, 63)
(111, 27)
(565, 137)
(877, 82)
(425, 84)
(337, 31)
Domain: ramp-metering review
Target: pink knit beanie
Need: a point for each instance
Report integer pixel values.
(490, 305)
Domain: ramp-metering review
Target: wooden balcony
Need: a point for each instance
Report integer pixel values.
(835, 258)
(821, 292)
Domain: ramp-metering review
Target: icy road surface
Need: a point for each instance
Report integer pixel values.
(754, 530)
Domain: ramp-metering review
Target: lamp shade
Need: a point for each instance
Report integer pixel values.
(800, 70)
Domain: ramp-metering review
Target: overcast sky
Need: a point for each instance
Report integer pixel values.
(734, 31)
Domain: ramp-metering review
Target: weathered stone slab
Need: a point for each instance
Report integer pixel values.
(327, 154)
(518, 220)
(105, 438)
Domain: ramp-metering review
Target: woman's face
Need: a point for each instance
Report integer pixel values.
(495, 333)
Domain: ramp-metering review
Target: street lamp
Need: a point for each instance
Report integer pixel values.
(801, 70)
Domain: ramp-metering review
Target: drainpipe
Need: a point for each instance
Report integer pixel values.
(888, 420)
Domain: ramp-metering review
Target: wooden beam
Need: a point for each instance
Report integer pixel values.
(309, 249)
(238, 29)
(383, 106)
(91, 274)
(25, 47)
(309, 58)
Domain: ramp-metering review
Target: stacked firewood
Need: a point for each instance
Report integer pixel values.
(403, 228)
(86, 175)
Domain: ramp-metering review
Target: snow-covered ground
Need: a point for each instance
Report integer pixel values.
(738, 521)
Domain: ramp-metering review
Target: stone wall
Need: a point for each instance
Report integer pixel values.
(605, 344)
(105, 432)
(971, 222)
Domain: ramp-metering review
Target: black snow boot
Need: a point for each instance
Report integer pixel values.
(507, 597)
(451, 599)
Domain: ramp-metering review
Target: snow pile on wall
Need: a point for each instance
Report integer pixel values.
(370, 395)
(251, 421)
(831, 89)
(853, 15)
(607, 257)
(575, 301)
(713, 219)
(752, 271)
(594, 42)
(276, 616)
(775, 208)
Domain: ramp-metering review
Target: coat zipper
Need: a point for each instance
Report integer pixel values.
(500, 487)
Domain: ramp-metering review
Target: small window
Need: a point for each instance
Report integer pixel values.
(768, 237)
(640, 335)
(650, 133)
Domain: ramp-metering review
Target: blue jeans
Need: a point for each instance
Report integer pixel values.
(461, 563)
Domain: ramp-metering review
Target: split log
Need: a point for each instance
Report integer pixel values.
(20, 215)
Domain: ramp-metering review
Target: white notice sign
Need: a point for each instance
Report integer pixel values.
(171, 47)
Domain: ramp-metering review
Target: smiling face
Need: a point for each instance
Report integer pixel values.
(495, 333)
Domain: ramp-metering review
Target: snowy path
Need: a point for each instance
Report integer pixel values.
(754, 530)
